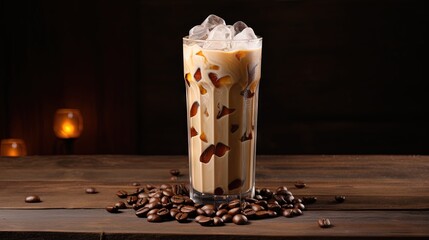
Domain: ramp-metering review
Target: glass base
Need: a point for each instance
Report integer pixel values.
(204, 198)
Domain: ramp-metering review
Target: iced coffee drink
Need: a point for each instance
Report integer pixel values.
(222, 69)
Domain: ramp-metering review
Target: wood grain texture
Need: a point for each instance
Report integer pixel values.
(386, 196)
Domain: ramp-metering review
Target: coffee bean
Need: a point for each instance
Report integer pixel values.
(153, 211)
(164, 213)
(210, 212)
(91, 190)
(287, 206)
(154, 218)
(274, 207)
(120, 205)
(150, 187)
(281, 190)
(279, 198)
(112, 209)
(262, 203)
(324, 223)
(309, 200)
(205, 221)
(182, 217)
(190, 210)
(288, 213)
(136, 192)
(227, 218)
(249, 213)
(167, 193)
(266, 192)
(223, 206)
(132, 199)
(340, 198)
(299, 206)
(297, 212)
(32, 199)
(142, 212)
(208, 206)
(153, 205)
(250, 200)
(217, 221)
(262, 214)
(197, 218)
(296, 200)
(165, 186)
(257, 207)
(221, 212)
(234, 211)
(122, 194)
(234, 203)
(175, 172)
(240, 219)
(143, 195)
(173, 212)
(135, 184)
(300, 184)
(272, 213)
(259, 197)
(177, 199)
(201, 212)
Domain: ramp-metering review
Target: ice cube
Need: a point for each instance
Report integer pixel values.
(212, 21)
(238, 27)
(222, 33)
(198, 32)
(240, 40)
(246, 34)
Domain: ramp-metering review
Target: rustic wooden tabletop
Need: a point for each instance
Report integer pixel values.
(386, 197)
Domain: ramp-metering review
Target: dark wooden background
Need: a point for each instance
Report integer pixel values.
(337, 76)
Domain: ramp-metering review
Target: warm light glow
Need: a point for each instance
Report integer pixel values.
(68, 123)
(13, 148)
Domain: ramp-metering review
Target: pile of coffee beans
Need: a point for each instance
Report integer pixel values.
(169, 202)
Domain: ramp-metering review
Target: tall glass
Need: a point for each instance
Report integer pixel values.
(222, 106)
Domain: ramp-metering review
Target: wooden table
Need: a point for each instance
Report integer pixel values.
(386, 197)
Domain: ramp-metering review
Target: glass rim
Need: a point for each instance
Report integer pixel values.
(186, 38)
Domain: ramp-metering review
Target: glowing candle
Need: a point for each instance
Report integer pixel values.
(13, 148)
(68, 123)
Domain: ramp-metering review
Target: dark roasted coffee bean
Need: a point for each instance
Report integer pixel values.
(287, 205)
(288, 213)
(122, 194)
(217, 221)
(205, 221)
(281, 190)
(157, 194)
(154, 218)
(143, 195)
(112, 209)
(197, 218)
(91, 190)
(223, 206)
(142, 212)
(150, 187)
(240, 219)
(289, 198)
(120, 205)
(201, 212)
(164, 213)
(165, 186)
(300, 184)
(296, 200)
(259, 197)
(262, 214)
(132, 199)
(234, 211)
(135, 184)
(198, 205)
(262, 203)
(249, 213)
(221, 212)
(168, 193)
(245, 205)
(299, 206)
(153, 211)
(175, 172)
(32, 199)
(266, 192)
(165, 200)
(136, 192)
(279, 198)
(234, 203)
(210, 212)
(154, 199)
(227, 218)
(190, 210)
(257, 191)
(208, 206)
(189, 201)
(257, 207)
(309, 200)
(182, 217)
(177, 199)
(297, 212)
(173, 212)
(324, 223)
(272, 213)
(274, 207)
(339, 199)
(153, 205)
